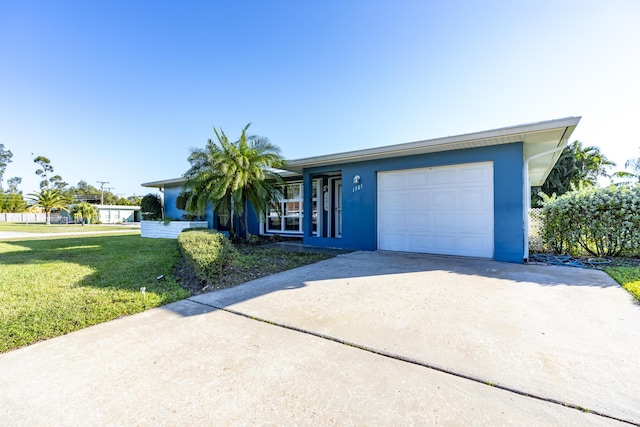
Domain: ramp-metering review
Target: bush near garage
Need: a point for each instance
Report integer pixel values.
(599, 221)
(207, 252)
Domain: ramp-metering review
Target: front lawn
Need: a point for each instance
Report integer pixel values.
(62, 228)
(51, 287)
(628, 277)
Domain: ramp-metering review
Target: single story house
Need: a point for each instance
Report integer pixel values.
(115, 214)
(463, 195)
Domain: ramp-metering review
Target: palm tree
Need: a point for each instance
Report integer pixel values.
(230, 175)
(591, 164)
(634, 165)
(84, 211)
(48, 200)
(577, 166)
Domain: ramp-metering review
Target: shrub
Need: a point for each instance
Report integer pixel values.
(207, 252)
(600, 221)
(151, 207)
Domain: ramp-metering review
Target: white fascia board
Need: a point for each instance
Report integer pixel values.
(478, 139)
(164, 183)
(179, 181)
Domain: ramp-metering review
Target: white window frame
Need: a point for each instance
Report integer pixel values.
(283, 202)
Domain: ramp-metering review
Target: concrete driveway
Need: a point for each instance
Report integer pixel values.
(364, 338)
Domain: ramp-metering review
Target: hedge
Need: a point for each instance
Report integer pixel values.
(599, 221)
(207, 252)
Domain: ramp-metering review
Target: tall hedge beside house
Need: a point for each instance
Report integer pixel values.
(599, 221)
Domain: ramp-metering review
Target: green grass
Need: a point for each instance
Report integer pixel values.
(50, 287)
(628, 277)
(60, 228)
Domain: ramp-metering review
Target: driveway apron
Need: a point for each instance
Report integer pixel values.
(564, 334)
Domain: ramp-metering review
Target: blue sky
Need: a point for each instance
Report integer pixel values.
(119, 91)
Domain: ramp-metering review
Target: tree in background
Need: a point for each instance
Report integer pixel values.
(576, 167)
(11, 200)
(634, 175)
(84, 212)
(229, 175)
(134, 200)
(5, 159)
(48, 200)
(151, 207)
(49, 181)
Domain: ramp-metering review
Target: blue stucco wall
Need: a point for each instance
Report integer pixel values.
(359, 217)
(171, 211)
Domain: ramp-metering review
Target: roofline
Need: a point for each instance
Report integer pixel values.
(163, 183)
(179, 181)
(431, 145)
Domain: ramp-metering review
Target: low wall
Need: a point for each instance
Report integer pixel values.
(158, 229)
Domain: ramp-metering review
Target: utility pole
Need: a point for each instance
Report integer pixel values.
(102, 183)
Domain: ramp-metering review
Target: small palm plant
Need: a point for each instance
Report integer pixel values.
(84, 212)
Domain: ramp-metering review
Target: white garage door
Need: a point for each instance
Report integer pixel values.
(441, 210)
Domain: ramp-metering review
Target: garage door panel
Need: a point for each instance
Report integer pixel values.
(442, 176)
(395, 242)
(417, 223)
(443, 200)
(472, 244)
(443, 210)
(472, 199)
(444, 244)
(393, 180)
(417, 200)
(473, 176)
(394, 201)
(418, 243)
(443, 220)
(470, 222)
(418, 179)
(393, 221)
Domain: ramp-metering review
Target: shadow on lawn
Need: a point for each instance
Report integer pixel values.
(116, 261)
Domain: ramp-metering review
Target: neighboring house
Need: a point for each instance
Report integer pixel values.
(465, 195)
(115, 214)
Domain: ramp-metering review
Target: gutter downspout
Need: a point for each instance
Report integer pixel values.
(526, 190)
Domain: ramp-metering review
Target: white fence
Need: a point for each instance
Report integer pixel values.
(28, 218)
(535, 230)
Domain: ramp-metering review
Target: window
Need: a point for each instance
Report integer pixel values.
(285, 215)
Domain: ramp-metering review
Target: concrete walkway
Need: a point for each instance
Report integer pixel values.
(562, 335)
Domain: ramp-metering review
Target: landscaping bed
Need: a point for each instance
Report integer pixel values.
(252, 262)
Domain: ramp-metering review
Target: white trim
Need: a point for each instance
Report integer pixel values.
(300, 200)
(535, 136)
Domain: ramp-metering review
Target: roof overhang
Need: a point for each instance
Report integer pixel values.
(174, 182)
(164, 183)
(536, 138)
